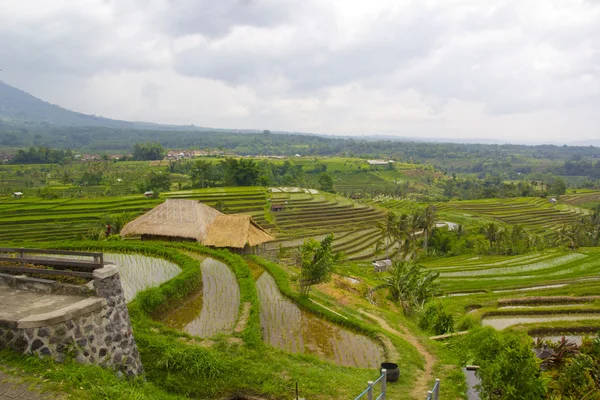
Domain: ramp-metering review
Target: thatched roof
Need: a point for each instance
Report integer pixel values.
(194, 220)
(235, 231)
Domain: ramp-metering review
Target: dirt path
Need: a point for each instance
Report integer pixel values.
(422, 384)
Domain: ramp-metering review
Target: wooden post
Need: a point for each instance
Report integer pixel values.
(436, 395)
(429, 395)
(383, 383)
(370, 392)
(22, 255)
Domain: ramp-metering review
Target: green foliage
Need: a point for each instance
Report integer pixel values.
(326, 182)
(242, 172)
(148, 151)
(193, 362)
(116, 221)
(316, 262)
(42, 155)
(509, 370)
(410, 285)
(436, 318)
(156, 182)
(46, 193)
(467, 322)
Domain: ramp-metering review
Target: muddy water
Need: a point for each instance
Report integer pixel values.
(139, 272)
(505, 322)
(214, 309)
(287, 327)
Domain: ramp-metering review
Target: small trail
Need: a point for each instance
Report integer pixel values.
(422, 384)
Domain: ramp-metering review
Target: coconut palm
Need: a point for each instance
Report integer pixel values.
(492, 233)
(410, 285)
(387, 230)
(428, 222)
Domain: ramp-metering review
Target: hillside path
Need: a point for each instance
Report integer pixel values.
(422, 384)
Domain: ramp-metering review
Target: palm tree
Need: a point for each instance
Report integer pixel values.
(492, 233)
(410, 285)
(387, 229)
(428, 222)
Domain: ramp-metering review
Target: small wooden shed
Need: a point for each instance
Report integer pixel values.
(277, 207)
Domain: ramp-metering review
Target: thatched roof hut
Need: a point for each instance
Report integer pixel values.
(189, 219)
(235, 231)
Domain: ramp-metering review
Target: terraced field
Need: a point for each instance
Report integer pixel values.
(538, 215)
(524, 290)
(581, 198)
(36, 219)
(315, 215)
(305, 215)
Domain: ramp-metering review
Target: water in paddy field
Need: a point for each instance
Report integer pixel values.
(287, 327)
(505, 322)
(139, 272)
(212, 310)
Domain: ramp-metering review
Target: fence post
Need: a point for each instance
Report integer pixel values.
(383, 383)
(370, 392)
(429, 395)
(436, 395)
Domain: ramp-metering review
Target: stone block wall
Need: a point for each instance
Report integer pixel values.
(96, 330)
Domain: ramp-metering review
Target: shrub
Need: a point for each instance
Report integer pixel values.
(508, 369)
(467, 322)
(436, 318)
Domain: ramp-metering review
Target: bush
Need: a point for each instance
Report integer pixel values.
(437, 319)
(467, 322)
(508, 369)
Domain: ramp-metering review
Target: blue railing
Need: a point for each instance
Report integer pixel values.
(369, 390)
(434, 394)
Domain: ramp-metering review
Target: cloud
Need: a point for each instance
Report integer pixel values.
(335, 66)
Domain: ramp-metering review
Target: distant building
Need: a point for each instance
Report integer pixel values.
(17, 195)
(382, 265)
(552, 200)
(380, 162)
(149, 194)
(277, 207)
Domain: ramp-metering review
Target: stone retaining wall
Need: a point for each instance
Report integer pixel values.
(95, 330)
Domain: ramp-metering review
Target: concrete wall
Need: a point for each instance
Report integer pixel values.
(95, 330)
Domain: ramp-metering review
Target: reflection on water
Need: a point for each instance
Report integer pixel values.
(505, 322)
(214, 309)
(287, 327)
(139, 272)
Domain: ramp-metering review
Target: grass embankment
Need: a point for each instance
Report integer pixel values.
(177, 364)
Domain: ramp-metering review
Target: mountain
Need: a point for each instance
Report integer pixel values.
(20, 109)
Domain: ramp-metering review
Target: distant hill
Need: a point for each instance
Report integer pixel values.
(20, 109)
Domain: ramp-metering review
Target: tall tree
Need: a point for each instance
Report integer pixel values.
(317, 261)
(410, 285)
(148, 151)
(428, 222)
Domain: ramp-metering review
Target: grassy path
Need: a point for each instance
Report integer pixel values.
(423, 382)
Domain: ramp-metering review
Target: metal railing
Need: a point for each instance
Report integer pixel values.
(434, 394)
(369, 390)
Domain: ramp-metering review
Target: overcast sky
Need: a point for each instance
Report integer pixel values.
(517, 70)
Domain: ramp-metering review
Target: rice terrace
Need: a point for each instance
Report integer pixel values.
(150, 261)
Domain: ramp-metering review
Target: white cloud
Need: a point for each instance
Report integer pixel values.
(509, 69)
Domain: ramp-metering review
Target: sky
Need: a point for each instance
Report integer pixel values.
(509, 70)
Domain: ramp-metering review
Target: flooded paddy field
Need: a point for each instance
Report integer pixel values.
(289, 328)
(212, 310)
(138, 272)
(502, 322)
